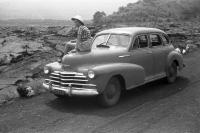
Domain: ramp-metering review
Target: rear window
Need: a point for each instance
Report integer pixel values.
(155, 40)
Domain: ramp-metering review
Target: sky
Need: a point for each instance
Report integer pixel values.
(57, 9)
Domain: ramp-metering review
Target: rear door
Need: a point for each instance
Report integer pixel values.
(160, 50)
(141, 54)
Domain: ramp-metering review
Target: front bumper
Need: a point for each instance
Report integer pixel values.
(70, 91)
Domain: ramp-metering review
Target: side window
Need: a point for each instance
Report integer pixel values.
(142, 41)
(155, 40)
(119, 40)
(136, 44)
(165, 39)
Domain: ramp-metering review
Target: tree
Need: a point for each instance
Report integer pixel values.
(99, 18)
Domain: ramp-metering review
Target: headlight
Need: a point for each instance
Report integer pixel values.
(46, 70)
(91, 74)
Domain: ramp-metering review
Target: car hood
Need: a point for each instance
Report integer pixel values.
(94, 57)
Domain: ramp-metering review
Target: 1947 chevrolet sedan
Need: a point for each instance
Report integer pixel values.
(120, 59)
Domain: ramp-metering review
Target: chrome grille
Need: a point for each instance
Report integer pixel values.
(66, 79)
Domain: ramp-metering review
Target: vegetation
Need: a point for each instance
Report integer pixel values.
(153, 11)
(99, 18)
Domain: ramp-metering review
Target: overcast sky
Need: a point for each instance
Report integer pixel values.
(57, 9)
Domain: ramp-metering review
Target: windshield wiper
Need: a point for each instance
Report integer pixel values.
(102, 45)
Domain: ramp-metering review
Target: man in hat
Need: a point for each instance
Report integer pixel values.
(83, 41)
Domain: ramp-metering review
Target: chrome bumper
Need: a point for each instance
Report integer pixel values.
(71, 90)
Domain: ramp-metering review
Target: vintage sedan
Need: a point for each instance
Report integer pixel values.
(120, 59)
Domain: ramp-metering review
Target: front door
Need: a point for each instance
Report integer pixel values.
(141, 55)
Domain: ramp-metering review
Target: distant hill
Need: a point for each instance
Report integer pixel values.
(157, 10)
(34, 22)
(38, 22)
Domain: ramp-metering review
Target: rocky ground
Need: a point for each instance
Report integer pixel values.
(153, 108)
(25, 50)
(23, 53)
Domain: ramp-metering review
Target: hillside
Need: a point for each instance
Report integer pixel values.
(156, 10)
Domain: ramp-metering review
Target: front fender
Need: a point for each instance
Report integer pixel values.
(55, 66)
(177, 57)
(133, 74)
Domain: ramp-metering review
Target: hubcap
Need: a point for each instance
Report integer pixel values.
(111, 92)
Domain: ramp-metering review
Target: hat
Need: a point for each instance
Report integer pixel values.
(79, 18)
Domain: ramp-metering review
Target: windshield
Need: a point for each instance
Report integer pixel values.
(102, 39)
(108, 40)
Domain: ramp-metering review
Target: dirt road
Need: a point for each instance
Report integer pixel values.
(153, 108)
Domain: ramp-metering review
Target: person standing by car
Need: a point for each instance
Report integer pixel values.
(83, 40)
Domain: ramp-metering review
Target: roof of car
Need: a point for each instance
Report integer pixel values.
(131, 30)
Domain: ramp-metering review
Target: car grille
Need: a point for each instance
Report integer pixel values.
(66, 79)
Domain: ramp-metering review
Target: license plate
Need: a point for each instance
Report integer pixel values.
(58, 92)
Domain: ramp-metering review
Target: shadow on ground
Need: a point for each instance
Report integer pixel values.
(137, 97)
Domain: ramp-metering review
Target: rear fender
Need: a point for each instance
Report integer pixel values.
(174, 56)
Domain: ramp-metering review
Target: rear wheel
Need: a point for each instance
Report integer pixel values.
(111, 94)
(172, 73)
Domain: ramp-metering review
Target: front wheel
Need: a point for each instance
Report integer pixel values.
(172, 73)
(111, 94)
